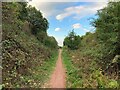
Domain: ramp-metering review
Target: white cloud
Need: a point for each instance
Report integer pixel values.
(69, 0)
(57, 29)
(76, 26)
(86, 30)
(62, 16)
(47, 8)
(80, 11)
(80, 27)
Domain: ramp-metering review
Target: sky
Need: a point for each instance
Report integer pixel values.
(65, 16)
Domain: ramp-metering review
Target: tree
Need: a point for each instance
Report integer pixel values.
(72, 41)
(23, 11)
(107, 32)
(39, 23)
(51, 42)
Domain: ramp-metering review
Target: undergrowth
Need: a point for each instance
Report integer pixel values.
(73, 78)
(83, 72)
(41, 74)
(26, 59)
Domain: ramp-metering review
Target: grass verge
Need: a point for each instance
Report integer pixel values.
(84, 73)
(74, 80)
(40, 73)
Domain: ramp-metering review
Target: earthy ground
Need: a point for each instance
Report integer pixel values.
(58, 77)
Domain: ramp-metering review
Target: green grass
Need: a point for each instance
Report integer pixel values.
(74, 80)
(40, 74)
(80, 76)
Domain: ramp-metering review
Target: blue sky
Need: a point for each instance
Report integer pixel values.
(65, 16)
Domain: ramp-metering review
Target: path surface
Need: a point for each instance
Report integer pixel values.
(57, 79)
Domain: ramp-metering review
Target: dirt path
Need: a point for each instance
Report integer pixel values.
(57, 79)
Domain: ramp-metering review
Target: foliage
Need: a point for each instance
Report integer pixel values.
(23, 11)
(22, 50)
(107, 32)
(40, 73)
(74, 80)
(113, 84)
(103, 45)
(97, 53)
(39, 23)
(50, 42)
(72, 41)
(83, 72)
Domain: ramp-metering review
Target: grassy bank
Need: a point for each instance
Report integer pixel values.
(82, 72)
(40, 74)
(73, 78)
(27, 51)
